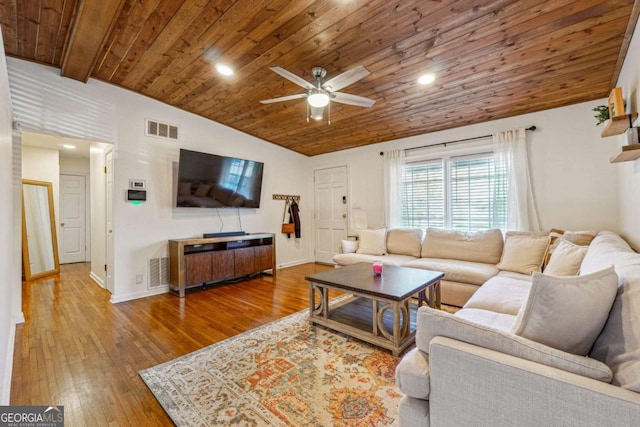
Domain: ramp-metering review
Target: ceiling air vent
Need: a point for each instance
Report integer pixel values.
(159, 129)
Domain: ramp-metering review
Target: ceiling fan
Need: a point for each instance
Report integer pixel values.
(320, 93)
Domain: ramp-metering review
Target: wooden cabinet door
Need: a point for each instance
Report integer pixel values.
(263, 257)
(197, 268)
(223, 265)
(244, 261)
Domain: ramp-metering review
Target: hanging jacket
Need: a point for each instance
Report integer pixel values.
(294, 217)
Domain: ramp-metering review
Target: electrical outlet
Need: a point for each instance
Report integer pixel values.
(139, 278)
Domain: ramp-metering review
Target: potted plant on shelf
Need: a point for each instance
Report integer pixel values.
(602, 114)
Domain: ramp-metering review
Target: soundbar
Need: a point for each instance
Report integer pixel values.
(224, 234)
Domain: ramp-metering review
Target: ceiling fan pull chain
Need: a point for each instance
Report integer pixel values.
(329, 107)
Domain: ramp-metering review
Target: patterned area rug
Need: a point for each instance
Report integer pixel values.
(285, 373)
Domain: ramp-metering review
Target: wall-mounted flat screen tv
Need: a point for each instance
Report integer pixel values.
(211, 181)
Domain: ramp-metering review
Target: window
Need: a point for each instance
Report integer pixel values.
(461, 193)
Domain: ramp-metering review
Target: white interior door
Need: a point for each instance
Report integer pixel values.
(330, 189)
(72, 229)
(109, 219)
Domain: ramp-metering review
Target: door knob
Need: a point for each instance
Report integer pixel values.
(344, 215)
(62, 224)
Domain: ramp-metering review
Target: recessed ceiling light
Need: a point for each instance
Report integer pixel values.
(225, 70)
(427, 79)
(69, 146)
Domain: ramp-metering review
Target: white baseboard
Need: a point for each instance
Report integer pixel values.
(141, 294)
(5, 394)
(96, 279)
(294, 263)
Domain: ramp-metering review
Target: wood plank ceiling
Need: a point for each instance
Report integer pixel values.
(492, 58)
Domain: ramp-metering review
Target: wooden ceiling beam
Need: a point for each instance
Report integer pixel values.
(91, 27)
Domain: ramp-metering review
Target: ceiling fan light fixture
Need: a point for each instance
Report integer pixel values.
(427, 79)
(318, 100)
(316, 113)
(223, 69)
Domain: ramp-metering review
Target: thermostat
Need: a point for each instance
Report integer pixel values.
(137, 184)
(136, 195)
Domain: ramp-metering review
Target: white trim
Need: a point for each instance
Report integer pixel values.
(140, 294)
(93, 276)
(294, 263)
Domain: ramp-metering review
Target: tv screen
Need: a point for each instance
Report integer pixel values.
(211, 181)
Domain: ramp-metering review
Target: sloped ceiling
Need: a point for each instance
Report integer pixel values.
(493, 59)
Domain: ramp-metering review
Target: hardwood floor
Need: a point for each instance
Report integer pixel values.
(78, 350)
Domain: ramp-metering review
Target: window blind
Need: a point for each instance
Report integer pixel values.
(422, 193)
(463, 193)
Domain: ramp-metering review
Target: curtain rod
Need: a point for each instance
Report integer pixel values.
(531, 128)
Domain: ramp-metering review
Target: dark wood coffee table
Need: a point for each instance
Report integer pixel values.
(379, 310)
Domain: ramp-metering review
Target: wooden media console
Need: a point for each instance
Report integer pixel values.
(195, 262)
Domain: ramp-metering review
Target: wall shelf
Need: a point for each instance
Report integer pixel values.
(618, 125)
(626, 153)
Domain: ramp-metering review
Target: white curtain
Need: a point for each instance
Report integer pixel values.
(392, 179)
(510, 153)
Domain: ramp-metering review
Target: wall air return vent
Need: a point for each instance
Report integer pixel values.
(158, 272)
(161, 130)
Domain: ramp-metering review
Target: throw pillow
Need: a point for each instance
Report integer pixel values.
(566, 259)
(580, 238)
(523, 252)
(349, 246)
(372, 242)
(567, 313)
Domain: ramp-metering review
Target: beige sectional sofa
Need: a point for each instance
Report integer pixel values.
(534, 350)
(467, 259)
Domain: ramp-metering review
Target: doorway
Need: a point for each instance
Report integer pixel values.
(330, 193)
(73, 219)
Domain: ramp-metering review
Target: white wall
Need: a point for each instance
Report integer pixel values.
(10, 302)
(42, 164)
(69, 165)
(574, 184)
(141, 231)
(629, 172)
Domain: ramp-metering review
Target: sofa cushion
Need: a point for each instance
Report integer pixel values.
(501, 321)
(412, 374)
(353, 258)
(501, 295)
(372, 242)
(404, 241)
(480, 246)
(455, 270)
(567, 313)
(431, 323)
(618, 345)
(566, 259)
(524, 253)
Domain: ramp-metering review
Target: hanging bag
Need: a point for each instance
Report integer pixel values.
(287, 228)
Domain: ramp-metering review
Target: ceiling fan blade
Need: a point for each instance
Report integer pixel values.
(292, 77)
(283, 98)
(346, 78)
(346, 98)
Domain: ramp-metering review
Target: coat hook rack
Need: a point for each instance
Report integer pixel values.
(286, 197)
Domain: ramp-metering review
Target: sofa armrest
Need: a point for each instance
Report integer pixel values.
(432, 323)
(471, 385)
